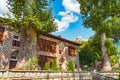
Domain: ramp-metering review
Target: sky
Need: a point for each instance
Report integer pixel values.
(67, 14)
(68, 19)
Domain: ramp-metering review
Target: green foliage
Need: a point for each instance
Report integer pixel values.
(54, 65)
(91, 51)
(96, 13)
(71, 65)
(47, 66)
(113, 60)
(102, 16)
(114, 24)
(110, 46)
(32, 63)
(29, 13)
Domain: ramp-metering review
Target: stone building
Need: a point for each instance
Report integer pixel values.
(49, 47)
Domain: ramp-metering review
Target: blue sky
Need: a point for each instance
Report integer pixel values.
(68, 11)
(67, 16)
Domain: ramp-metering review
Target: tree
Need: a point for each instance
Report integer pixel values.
(47, 66)
(71, 65)
(79, 40)
(31, 18)
(54, 65)
(114, 24)
(95, 15)
(90, 52)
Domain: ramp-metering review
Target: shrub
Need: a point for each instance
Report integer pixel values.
(71, 65)
(54, 65)
(47, 66)
(113, 60)
(32, 63)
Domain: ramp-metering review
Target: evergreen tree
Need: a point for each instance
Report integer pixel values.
(71, 65)
(47, 66)
(54, 65)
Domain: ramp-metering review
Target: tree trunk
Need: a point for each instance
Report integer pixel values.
(28, 47)
(106, 66)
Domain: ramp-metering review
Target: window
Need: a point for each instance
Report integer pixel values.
(13, 61)
(2, 29)
(71, 51)
(13, 58)
(16, 37)
(46, 45)
(16, 43)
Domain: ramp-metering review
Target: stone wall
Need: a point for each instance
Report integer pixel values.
(43, 75)
(57, 75)
(6, 50)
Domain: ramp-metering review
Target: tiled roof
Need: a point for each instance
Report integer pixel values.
(62, 39)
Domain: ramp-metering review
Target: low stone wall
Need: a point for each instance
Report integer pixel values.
(54, 75)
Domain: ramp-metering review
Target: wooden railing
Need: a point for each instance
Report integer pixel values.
(59, 75)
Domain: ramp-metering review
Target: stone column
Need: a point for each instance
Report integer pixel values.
(6, 50)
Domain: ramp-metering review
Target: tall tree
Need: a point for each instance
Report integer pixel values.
(95, 15)
(31, 18)
(90, 52)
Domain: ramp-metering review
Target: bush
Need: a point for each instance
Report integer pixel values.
(32, 64)
(113, 60)
(71, 65)
(47, 66)
(54, 65)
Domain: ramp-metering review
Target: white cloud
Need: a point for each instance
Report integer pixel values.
(62, 13)
(68, 16)
(61, 25)
(71, 5)
(3, 8)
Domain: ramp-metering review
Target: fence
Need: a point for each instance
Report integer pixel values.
(55, 75)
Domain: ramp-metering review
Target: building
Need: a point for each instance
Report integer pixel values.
(49, 47)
